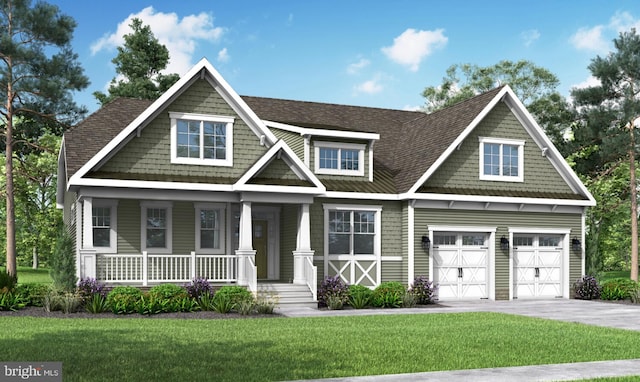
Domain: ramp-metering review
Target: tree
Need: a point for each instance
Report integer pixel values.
(38, 73)
(139, 63)
(610, 113)
(463, 81)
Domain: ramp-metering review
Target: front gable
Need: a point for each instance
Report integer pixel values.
(461, 172)
(149, 153)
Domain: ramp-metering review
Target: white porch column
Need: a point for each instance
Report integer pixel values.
(245, 245)
(87, 223)
(303, 245)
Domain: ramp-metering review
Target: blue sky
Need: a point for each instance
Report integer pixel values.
(367, 53)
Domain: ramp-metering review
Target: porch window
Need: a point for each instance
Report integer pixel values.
(201, 139)
(339, 158)
(156, 227)
(210, 228)
(103, 225)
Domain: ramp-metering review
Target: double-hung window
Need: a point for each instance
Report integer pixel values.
(156, 227)
(201, 139)
(104, 225)
(339, 158)
(210, 228)
(353, 232)
(501, 159)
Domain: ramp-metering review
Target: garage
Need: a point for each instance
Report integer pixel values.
(537, 265)
(461, 265)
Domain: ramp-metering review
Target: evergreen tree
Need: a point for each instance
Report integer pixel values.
(38, 73)
(139, 63)
(610, 115)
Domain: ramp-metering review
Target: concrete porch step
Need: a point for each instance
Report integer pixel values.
(288, 294)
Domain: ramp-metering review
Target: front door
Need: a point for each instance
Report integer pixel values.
(261, 245)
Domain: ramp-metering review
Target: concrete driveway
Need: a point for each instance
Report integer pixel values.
(615, 315)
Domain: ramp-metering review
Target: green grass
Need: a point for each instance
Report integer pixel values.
(267, 349)
(30, 275)
(614, 274)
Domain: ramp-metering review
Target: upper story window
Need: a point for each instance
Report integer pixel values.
(339, 158)
(501, 159)
(201, 139)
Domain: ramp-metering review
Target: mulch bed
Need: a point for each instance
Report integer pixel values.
(34, 311)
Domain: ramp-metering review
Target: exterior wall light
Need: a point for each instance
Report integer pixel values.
(576, 245)
(504, 243)
(426, 242)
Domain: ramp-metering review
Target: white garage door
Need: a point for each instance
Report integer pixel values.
(537, 262)
(460, 265)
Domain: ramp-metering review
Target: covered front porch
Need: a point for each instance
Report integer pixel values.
(257, 239)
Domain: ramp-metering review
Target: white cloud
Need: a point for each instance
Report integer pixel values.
(623, 21)
(411, 108)
(529, 36)
(180, 36)
(355, 67)
(223, 55)
(412, 46)
(369, 87)
(589, 82)
(590, 39)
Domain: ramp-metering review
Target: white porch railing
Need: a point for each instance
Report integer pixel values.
(251, 274)
(311, 276)
(148, 268)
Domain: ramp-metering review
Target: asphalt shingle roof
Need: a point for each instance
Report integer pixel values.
(410, 141)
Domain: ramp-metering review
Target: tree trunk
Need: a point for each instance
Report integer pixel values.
(35, 258)
(634, 204)
(11, 213)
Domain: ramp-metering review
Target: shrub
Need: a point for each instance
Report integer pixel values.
(88, 287)
(359, 296)
(409, 300)
(198, 287)
(586, 288)
(266, 303)
(70, 302)
(388, 295)
(205, 301)
(7, 282)
(32, 293)
(235, 293)
(149, 304)
(333, 287)
(97, 303)
(63, 263)
(223, 303)
(123, 299)
(424, 290)
(619, 289)
(11, 301)
(245, 308)
(168, 291)
(186, 304)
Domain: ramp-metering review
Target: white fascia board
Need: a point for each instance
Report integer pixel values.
(91, 182)
(323, 132)
(458, 140)
(238, 104)
(543, 141)
(297, 166)
(61, 180)
(279, 189)
(360, 195)
(497, 199)
(162, 194)
(196, 71)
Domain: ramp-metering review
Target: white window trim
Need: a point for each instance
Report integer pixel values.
(501, 142)
(223, 233)
(339, 145)
(228, 162)
(113, 231)
(355, 207)
(143, 226)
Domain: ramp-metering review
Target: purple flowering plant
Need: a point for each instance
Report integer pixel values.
(333, 288)
(89, 287)
(587, 288)
(198, 287)
(424, 290)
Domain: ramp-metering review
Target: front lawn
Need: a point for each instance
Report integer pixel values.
(29, 275)
(142, 349)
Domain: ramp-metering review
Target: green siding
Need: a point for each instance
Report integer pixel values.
(293, 140)
(277, 169)
(184, 234)
(288, 236)
(461, 169)
(129, 225)
(391, 238)
(69, 216)
(151, 152)
(503, 221)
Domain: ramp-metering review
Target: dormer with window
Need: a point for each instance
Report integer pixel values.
(201, 139)
(501, 159)
(334, 158)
